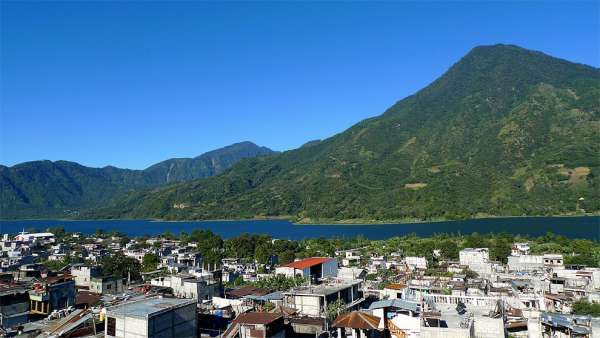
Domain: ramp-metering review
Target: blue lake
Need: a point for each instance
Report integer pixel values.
(572, 227)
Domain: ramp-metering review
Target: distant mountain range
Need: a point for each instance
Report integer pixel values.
(505, 131)
(63, 189)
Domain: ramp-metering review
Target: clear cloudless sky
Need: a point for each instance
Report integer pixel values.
(133, 83)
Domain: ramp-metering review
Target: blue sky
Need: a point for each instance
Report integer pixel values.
(133, 83)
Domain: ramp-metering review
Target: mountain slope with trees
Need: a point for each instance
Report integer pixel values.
(505, 131)
(63, 189)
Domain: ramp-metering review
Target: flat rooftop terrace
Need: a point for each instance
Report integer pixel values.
(453, 319)
(322, 289)
(147, 307)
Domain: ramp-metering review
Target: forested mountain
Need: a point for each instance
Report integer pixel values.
(62, 189)
(505, 131)
(206, 165)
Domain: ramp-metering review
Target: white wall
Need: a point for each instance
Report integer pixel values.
(307, 305)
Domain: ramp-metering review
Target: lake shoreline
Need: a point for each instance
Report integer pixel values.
(309, 221)
(572, 227)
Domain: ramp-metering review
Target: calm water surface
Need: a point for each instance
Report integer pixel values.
(573, 227)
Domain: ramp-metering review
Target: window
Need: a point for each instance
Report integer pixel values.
(111, 326)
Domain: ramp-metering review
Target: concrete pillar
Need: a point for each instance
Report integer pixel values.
(340, 332)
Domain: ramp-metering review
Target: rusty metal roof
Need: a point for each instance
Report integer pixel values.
(247, 291)
(357, 320)
(257, 318)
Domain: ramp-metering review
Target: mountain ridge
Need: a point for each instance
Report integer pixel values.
(505, 131)
(47, 188)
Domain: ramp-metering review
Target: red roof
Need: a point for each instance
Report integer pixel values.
(308, 262)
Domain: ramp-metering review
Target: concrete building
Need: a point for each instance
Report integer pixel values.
(14, 304)
(352, 273)
(476, 259)
(350, 258)
(416, 263)
(40, 237)
(52, 293)
(520, 249)
(553, 261)
(188, 286)
(474, 256)
(83, 274)
(107, 285)
(525, 263)
(313, 300)
(393, 291)
(314, 268)
(152, 318)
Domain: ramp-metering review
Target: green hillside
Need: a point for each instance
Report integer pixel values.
(505, 131)
(64, 189)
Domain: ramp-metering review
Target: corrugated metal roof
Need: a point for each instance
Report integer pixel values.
(556, 319)
(248, 290)
(257, 318)
(357, 320)
(396, 286)
(271, 296)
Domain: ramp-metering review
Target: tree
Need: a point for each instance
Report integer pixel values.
(209, 244)
(168, 235)
(268, 306)
(123, 240)
(285, 250)
(149, 262)
(449, 249)
(470, 274)
(335, 309)
(59, 264)
(58, 231)
(119, 265)
(239, 280)
(500, 249)
(476, 240)
(279, 282)
(262, 252)
(583, 307)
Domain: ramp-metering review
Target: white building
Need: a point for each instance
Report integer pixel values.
(313, 301)
(476, 259)
(520, 249)
(44, 237)
(314, 268)
(83, 274)
(525, 263)
(187, 286)
(393, 291)
(352, 274)
(350, 258)
(553, 261)
(107, 285)
(416, 263)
